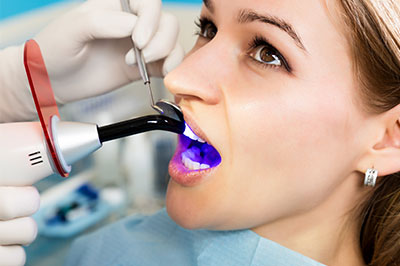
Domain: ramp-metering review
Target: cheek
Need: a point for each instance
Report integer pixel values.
(290, 142)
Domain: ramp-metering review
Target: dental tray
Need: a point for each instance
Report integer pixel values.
(76, 212)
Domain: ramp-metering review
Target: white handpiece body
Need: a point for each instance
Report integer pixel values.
(23, 157)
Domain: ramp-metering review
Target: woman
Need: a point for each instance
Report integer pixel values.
(298, 102)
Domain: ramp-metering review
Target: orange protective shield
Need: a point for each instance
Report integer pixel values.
(43, 96)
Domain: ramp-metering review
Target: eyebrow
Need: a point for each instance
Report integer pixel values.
(209, 5)
(247, 16)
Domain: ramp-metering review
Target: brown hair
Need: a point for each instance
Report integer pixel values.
(373, 31)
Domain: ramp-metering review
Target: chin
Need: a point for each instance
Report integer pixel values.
(198, 208)
(183, 208)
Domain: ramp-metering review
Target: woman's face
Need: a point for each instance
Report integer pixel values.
(269, 85)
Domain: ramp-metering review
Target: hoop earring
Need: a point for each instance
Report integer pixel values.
(370, 177)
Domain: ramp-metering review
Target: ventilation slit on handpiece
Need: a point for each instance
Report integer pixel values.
(35, 158)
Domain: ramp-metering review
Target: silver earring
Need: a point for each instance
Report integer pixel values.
(370, 177)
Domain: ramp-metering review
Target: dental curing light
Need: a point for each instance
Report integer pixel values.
(34, 150)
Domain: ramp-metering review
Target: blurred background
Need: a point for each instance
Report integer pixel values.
(126, 176)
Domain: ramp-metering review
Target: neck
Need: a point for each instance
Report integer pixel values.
(328, 233)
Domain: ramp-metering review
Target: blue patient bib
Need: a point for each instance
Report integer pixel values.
(157, 240)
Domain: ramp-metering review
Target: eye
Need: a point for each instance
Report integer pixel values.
(206, 28)
(263, 53)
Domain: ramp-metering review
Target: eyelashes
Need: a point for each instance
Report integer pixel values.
(260, 51)
(205, 28)
(265, 53)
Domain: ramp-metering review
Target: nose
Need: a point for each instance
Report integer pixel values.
(199, 75)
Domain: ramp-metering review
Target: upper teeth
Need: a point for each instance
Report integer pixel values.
(190, 134)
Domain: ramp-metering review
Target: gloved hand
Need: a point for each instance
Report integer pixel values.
(85, 50)
(16, 228)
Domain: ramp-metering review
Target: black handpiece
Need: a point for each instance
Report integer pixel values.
(140, 125)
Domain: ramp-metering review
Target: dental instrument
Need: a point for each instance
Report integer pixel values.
(34, 150)
(163, 107)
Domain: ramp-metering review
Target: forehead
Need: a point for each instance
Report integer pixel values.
(312, 19)
(299, 7)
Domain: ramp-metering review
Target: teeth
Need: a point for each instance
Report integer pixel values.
(196, 166)
(204, 166)
(191, 165)
(190, 134)
(201, 140)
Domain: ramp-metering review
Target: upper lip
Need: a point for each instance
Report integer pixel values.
(194, 127)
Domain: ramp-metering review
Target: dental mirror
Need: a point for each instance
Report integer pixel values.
(170, 110)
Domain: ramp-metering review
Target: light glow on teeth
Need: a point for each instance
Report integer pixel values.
(191, 165)
(190, 134)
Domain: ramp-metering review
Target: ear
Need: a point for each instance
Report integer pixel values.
(384, 155)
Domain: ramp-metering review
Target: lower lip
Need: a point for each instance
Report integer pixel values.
(182, 175)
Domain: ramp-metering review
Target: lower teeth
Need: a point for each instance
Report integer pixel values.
(199, 156)
(191, 165)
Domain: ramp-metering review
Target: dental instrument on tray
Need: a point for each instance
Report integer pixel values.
(163, 107)
(38, 149)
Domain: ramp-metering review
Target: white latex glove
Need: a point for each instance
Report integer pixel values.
(16, 228)
(85, 49)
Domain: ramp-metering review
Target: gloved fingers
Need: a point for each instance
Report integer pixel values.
(18, 202)
(106, 24)
(164, 40)
(149, 13)
(161, 44)
(173, 59)
(162, 67)
(20, 231)
(12, 256)
(130, 58)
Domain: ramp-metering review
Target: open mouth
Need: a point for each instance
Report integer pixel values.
(197, 154)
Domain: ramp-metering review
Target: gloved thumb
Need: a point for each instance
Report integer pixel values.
(162, 44)
(148, 13)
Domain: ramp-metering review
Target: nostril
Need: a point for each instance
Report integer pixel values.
(188, 97)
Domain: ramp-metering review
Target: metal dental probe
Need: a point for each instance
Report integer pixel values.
(141, 63)
(163, 107)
